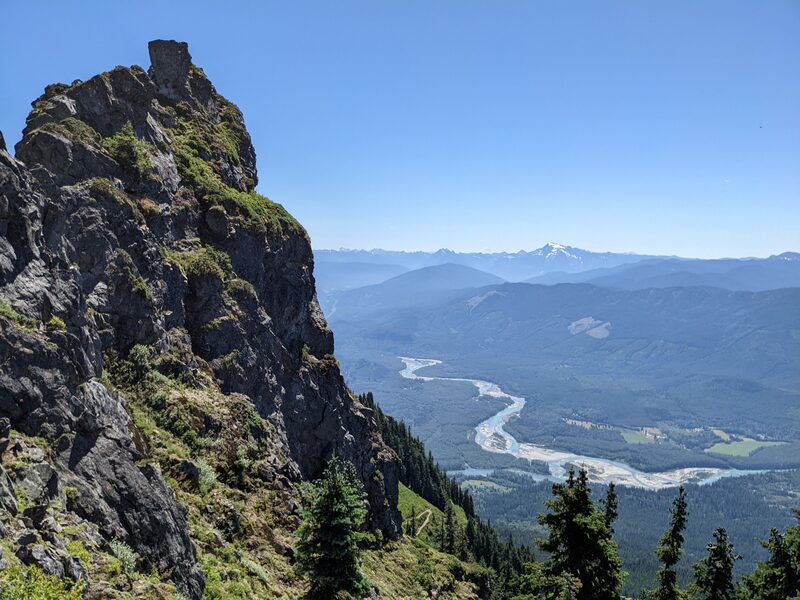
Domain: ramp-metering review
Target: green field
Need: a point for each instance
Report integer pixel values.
(484, 485)
(637, 437)
(741, 448)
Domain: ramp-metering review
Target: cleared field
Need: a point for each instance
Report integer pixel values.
(637, 437)
(485, 484)
(740, 448)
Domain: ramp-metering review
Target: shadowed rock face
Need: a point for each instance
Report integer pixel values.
(129, 217)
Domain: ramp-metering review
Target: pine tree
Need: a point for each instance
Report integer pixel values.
(714, 574)
(669, 552)
(328, 546)
(610, 506)
(449, 543)
(411, 527)
(779, 577)
(579, 541)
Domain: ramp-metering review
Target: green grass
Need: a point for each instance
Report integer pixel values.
(413, 569)
(408, 500)
(740, 448)
(636, 437)
(204, 262)
(29, 583)
(21, 321)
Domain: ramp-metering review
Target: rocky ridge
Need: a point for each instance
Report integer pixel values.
(147, 292)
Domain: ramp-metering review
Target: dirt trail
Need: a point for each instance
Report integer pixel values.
(427, 512)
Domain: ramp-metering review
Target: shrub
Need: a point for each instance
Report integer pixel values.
(21, 321)
(256, 569)
(126, 556)
(208, 476)
(130, 152)
(207, 262)
(30, 583)
(55, 324)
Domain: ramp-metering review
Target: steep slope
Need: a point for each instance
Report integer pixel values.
(141, 275)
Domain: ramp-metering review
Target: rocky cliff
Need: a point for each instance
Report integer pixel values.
(159, 332)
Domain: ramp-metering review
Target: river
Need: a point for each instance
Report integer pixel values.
(492, 437)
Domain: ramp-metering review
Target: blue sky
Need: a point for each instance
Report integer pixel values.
(660, 127)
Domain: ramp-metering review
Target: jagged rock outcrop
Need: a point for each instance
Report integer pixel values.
(129, 223)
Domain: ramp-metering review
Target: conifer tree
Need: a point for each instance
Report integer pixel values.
(579, 542)
(610, 506)
(669, 552)
(449, 543)
(714, 574)
(779, 577)
(411, 527)
(327, 550)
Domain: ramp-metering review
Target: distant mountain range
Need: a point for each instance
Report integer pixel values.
(511, 266)
(338, 270)
(753, 274)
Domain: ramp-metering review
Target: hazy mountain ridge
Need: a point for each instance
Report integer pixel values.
(749, 274)
(511, 266)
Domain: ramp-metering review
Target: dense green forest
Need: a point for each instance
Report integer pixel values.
(525, 514)
(746, 507)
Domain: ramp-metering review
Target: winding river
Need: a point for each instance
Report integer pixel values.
(492, 437)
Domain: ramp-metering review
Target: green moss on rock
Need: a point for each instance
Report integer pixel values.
(132, 154)
(122, 265)
(194, 143)
(207, 262)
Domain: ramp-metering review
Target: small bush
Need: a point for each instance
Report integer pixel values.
(126, 556)
(55, 324)
(256, 569)
(71, 494)
(207, 262)
(130, 152)
(139, 357)
(208, 476)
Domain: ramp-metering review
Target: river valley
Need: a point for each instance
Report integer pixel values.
(491, 436)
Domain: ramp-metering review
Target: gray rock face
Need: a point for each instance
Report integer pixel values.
(169, 67)
(128, 217)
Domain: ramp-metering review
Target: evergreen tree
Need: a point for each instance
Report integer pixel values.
(610, 506)
(778, 577)
(449, 544)
(669, 552)
(714, 574)
(327, 550)
(411, 526)
(537, 584)
(579, 541)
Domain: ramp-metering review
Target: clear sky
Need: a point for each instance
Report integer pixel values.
(661, 127)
